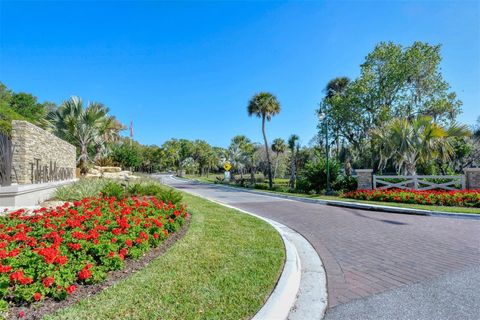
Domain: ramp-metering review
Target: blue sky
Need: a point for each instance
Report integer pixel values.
(188, 69)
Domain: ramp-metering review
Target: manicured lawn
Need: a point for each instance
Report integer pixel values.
(224, 268)
(391, 204)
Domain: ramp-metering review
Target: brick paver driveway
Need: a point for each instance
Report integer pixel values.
(364, 252)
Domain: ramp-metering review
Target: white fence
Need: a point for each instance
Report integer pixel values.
(419, 182)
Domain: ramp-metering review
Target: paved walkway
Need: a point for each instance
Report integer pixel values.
(365, 252)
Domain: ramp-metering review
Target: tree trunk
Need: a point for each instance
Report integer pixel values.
(348, 166)
(83, 159)
(98, 151)
(269, 164)
(293, 170)
(276, 167)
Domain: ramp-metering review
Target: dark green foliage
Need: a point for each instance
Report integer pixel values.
(26, 105)
(345, 184)
(113, 189)
(21, 106)
(313, 177)
(126, 155)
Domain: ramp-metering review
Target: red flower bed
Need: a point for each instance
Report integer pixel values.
(459, 198)
(52, 251)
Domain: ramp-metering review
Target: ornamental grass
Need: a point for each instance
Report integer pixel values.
(454, 198)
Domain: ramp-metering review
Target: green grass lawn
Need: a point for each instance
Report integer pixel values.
(225, 267)
(336, 198)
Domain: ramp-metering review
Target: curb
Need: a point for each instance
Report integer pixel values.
(301, 291)
(353, 205)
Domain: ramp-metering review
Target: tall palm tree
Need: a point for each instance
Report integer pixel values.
(278, 146)
(410, 142)
(264, 105)
(83, 127)
(292, 142)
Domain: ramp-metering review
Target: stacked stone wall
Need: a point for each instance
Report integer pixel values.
(39, 156)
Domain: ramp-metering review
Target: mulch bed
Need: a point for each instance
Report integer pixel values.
(48, 306)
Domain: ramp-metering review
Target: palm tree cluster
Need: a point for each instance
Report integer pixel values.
(90, 128)
(408, 143)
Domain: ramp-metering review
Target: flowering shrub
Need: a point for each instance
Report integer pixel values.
(460, 198)
(52, 251)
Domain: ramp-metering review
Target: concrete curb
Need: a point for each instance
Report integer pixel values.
(353, 205)
(301, 291)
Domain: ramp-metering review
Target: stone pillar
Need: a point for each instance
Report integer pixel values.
(364, 178)
(472, 178)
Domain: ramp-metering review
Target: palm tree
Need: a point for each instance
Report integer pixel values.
(83, 127)
(240, 152)
(264, 105)
(336, 86)
(108, 132)
(292, 142)
(278, 146)
(410, 142)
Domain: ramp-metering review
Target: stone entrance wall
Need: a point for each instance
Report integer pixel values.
(39, 156)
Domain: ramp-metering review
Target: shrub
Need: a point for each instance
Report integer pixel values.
(345, 184)
(113, 189)
(460, 198)
(83, 188)
(314, 176)
(105, 162)
(126, 156)
(260, 186)
(49, 253)
(155, 189)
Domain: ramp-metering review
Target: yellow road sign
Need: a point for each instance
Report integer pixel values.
(227, 166)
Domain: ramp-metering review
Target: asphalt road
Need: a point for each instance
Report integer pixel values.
(379, 265)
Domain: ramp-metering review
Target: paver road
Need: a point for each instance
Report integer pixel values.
(366, 253)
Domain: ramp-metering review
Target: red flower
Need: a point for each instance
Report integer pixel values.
(48, 281)
(74, 246)
(111, 254)
(26, 280)
(71, 289)
(5, 269)
(16, 276)
(37, 296)
(123, 252)
(14, 253)
(85, 273)
(61, 260)
(21, 314)
(128, 242)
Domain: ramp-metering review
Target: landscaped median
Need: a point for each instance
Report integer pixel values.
(225, 266)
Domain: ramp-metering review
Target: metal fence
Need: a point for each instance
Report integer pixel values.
(419, 182)
(6, 154)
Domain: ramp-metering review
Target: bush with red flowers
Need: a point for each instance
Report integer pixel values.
(458, 198)
(48, 253)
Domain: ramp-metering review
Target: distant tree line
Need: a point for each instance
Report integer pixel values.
(399, 115)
